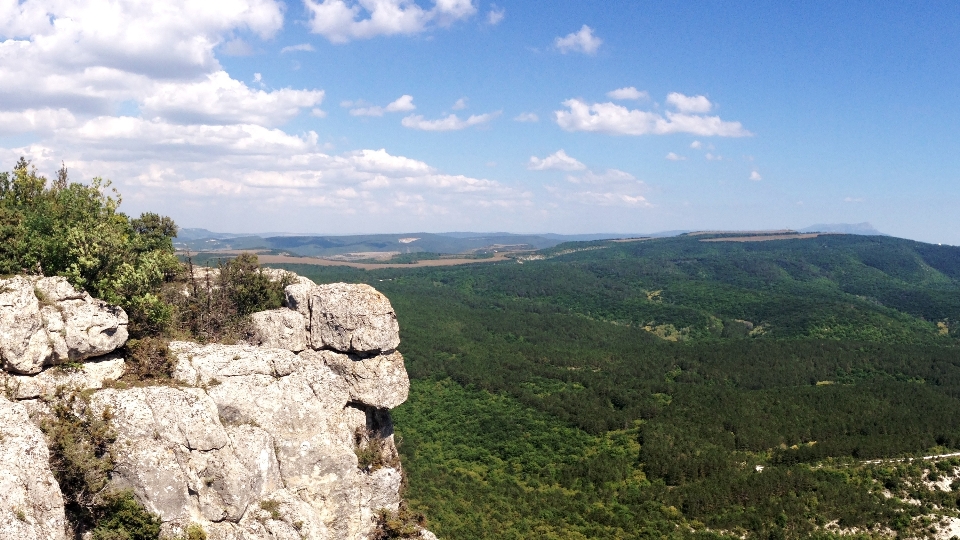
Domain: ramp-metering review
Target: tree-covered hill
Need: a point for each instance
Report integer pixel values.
(631, 389)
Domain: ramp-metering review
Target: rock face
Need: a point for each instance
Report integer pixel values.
(258, 441)
(45, 322)
(90, 375)
(346, 317)
(31, 507)
(301, 425)
(279, 328)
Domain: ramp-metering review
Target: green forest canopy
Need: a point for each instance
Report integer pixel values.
(630, 390)
(663, 388)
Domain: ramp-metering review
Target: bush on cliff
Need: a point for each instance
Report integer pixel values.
(75, 230)
(214, 306)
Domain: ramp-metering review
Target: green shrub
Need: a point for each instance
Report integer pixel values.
(373, 452)
(195, 532)
(79, 442)
(400, 524)
(76, 231)
(123, 518)
(149, 358)
(214, 306)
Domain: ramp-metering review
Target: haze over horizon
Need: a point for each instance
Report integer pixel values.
(355, 116)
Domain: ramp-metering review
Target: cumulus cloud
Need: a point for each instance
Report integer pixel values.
(527, 117)
(559, 160)
(616, 119)
(755, 176)
(403, 103)
(460, 104)
(582, 41)
(193, 136)
(220, 99)
(712, 157)
(341, 21)
(449, 123)
(696, 145)
(303, 47)
(672, 156)
(689, 104)
(495, 15)
(627, 93)
(35, 120)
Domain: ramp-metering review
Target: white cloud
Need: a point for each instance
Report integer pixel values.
(583, 41)
(460, 104)
(696, 145)
(87, 54)
(527, 117)
(672, 156)
(615, 119)
(689, 104)
(712, 157)
(559, 160)
(220, 99)
(627, 93)
(495, 15)
(403, 103)
(450, 123)
(755, 176)
(341, 21)
(303, 47)
(194, 141)
(35, 120)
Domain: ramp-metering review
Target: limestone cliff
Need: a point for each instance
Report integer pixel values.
(288, 437)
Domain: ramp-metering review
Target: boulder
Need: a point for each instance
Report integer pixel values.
(346, 317)
(305, 407)
(180, 461)
(45, 322)
(380, 381)
(31, 507)
(279, 328)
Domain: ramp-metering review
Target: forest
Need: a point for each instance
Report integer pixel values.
(664, 388)
(681, 388)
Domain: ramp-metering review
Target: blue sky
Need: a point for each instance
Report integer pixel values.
(339, 116)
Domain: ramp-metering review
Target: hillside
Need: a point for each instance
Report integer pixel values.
(630, 389)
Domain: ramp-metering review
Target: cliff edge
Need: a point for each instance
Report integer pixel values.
(288, 436)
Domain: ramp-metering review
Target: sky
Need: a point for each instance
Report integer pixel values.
(388, 116)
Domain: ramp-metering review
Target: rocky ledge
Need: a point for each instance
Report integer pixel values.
(287, 437)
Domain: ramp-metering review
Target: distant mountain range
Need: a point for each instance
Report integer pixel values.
(309, 245)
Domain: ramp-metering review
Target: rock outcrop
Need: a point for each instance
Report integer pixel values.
(279, 328)
(288, 436)
(346, 317)
(31, 507)
(46, 322)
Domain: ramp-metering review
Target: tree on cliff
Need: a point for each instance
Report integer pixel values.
(75, 230)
